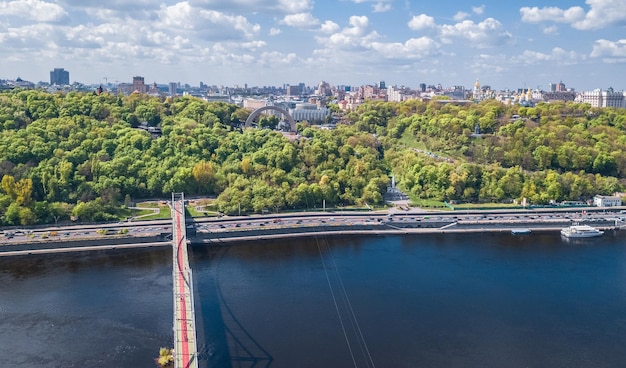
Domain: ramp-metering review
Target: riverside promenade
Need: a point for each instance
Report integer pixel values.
(185, 343)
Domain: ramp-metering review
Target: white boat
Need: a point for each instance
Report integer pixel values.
(580, 231)
(520, 231)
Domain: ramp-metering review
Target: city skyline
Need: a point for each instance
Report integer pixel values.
(350, 42)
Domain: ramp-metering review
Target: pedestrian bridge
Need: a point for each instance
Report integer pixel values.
(185, 341)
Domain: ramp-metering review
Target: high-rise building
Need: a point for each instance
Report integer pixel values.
(293, 90)
(395, 94)
(323, 89)
(173, 86)
(139, 85)
(60, 77)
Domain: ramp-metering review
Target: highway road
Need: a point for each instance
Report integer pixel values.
(230, 224)
(76, 232)
(402, 219)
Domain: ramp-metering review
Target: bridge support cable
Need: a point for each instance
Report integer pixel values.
(343, 308)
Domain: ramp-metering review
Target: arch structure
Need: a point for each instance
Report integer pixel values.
(257, 112)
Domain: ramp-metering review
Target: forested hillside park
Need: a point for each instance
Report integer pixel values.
(82, 156)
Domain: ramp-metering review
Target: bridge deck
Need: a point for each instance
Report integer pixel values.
(185, 347)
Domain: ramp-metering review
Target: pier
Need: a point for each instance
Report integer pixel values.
(185, 342)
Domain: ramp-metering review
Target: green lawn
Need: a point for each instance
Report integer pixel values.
(204, 206)
(150, 204)
(428, 203)
(486, 206)
(164, 211)
(141, 212)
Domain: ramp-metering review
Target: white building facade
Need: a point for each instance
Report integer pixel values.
(309, 112)
(607, 201)
(600, 98)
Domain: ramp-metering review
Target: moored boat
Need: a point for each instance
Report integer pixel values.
(581, 231)
(520, 231)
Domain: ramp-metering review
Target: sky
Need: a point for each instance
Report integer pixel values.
(503, 44)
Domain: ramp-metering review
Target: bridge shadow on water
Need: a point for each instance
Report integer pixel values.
(222, 340)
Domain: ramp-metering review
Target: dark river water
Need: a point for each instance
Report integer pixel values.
(453, 300)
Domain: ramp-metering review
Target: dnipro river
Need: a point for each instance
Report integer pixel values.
(439, 300)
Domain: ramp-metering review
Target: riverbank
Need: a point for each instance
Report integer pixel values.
(279, 231)
(80, 245)
(415, 228)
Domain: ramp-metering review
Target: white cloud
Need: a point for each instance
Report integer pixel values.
(115, 9)
(552, 14)
(489, 32)
(460, 15)
(381, 7)
(355, 38)
(295, 6)
(33, 10)
(485, 64)
(96, 44)
(378, 6)
(178, 39)
(29, 37)
(122, 5)
(421, 21)
(329, 27)
(351, 38)
(108, 35)
(206, 23)
(251, 6)
(551, 30)
(601, 14)
(251, 45)
(478, 9)
(359, 43)
(610, 50)
(414, 48)
(300, 20)
(359, 25)
(557, 55)
(278, 58)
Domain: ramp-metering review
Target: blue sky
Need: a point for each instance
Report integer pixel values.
(504, 44)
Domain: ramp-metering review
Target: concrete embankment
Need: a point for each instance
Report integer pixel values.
(389, 228)
(81, 245)
(277, 231)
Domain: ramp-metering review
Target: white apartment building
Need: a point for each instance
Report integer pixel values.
(399, 94)
(600, 98)
(607, 201)
(394, 94)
